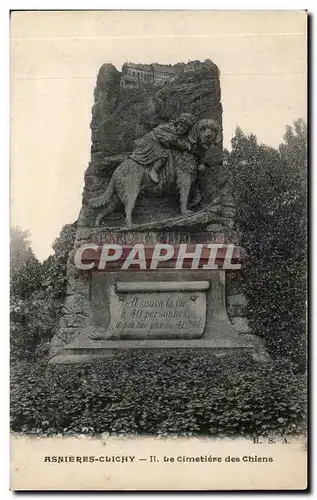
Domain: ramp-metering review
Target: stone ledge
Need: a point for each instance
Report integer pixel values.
(85, 358)
(217, 342)
(91, 350)
(161, 286)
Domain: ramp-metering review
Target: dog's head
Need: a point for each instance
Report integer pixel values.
(207, 132)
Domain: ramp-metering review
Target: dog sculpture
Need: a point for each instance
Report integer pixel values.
(130, 177)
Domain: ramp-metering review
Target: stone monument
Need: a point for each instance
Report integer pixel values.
(155, 177)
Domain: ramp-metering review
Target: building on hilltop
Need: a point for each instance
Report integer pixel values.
(163, 74)
(192, 66)
(198, 66)
(137, 75)
(140, 75)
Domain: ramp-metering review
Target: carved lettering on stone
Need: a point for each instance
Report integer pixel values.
(157, 314)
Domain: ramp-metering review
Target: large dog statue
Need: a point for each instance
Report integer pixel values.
(130, 177)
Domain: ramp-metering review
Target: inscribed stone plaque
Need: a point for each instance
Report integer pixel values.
(161, 310)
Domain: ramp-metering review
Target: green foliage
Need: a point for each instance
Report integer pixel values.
(294, 150)
(54, 268)
(20, 249)
(32, 322)
(270, 191)
(37, 292)
(182, 393)
(25, 276)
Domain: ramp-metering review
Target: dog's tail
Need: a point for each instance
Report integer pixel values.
(105, 198)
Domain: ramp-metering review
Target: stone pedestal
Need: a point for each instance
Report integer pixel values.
(156, 311)
(106, 312)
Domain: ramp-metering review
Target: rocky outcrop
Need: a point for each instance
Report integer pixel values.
(119, 117)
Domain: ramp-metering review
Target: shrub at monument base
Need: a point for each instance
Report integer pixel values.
(182, 393)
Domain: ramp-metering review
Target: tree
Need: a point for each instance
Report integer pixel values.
(36, 292)
(20, 248)
(294, 148)
(269, 188)
(54, 268)
(25, 268)
(25, 282)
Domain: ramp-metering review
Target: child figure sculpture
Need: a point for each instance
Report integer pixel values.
(154, 148)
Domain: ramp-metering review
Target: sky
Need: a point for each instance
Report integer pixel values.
(55, 57)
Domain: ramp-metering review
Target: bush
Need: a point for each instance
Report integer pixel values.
(37, 291)
(32, 321)
(140, 393)
(269, 187)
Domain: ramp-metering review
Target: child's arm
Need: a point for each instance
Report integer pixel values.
(182, 144)
(169, 139)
